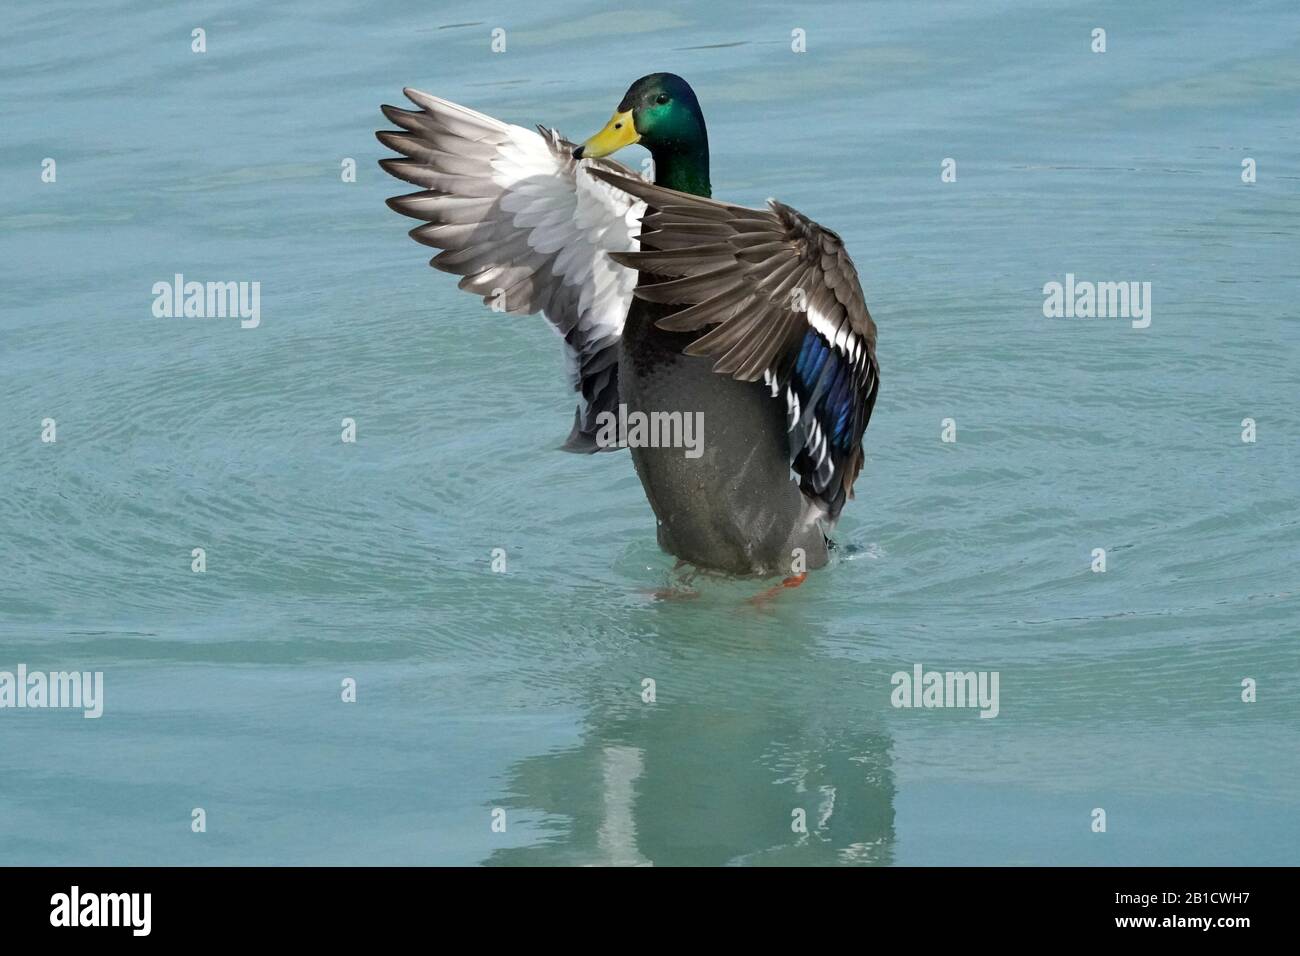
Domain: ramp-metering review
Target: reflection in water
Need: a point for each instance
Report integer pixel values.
(623, 766)
(687, 783)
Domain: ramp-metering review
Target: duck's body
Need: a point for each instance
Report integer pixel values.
(749, 322)
(734, 508)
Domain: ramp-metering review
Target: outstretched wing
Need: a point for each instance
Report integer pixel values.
(783, 304)
(527, 227)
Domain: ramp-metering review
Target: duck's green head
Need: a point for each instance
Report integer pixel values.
(661, 113)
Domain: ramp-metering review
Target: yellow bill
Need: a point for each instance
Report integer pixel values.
(618, 132)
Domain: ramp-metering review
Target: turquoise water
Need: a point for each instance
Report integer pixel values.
(522, 691)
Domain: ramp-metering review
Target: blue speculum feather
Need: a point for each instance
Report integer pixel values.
(811, 356)
(839, 403)
(834, 409)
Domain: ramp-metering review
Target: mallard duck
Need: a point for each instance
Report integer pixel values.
(752, 321)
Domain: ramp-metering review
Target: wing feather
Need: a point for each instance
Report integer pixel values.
(779, 300)
(527, 227)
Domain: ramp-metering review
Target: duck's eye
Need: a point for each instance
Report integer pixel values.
(661, 99)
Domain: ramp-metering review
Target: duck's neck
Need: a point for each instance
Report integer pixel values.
(684, 167)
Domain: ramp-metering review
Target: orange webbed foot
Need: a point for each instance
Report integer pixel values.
(762, 598)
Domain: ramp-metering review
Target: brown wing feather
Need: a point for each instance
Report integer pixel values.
(760, 280)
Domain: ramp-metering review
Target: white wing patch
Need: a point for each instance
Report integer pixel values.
(526, 226)
(574, 218)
